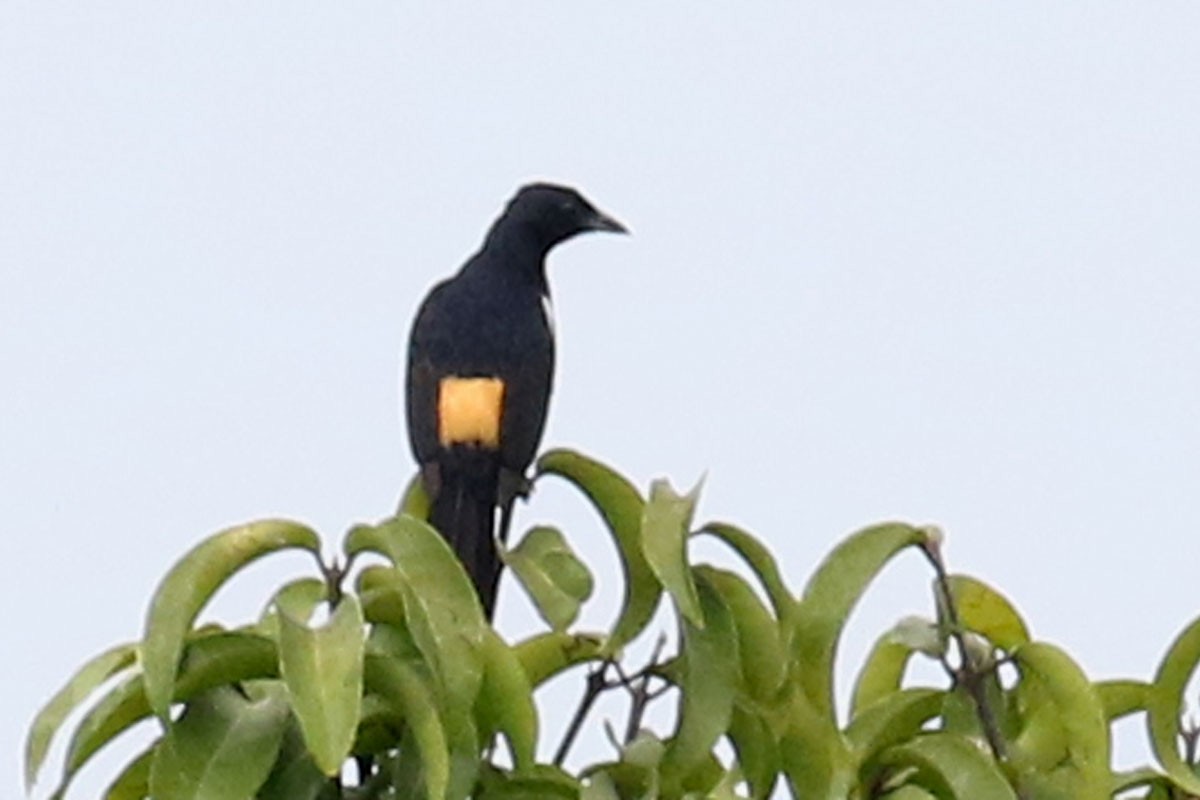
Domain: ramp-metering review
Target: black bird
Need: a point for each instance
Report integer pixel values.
(480, 365)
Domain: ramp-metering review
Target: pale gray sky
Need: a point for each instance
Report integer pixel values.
(926, 261)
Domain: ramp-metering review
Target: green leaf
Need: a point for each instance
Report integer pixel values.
(536, 782)
(909, 792)
(134, 781)
(708, 683)
(506, 700)
(186, 589)
(381, 592)
(600, 786)
(1121, 698)
(882, 673)
(441, 608)
(211, 660)
(295, 775)
(556, 581)
(984, 610)
(831, 594)
(1164, 706)
(950, 766)
(415, 501)
(322, 669)
(961, 713)
(222, 747)
(443, 615)
(409, 686)
(816, 758)
(620, 504)
(1077, 710)
(666, 522)
(757, 751)
(86, 680)
(1146, 777)
(760, 560)
(763, 660)
(892, 719)
(548, 654)
(300, 597)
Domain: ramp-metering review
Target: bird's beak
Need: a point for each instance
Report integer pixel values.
(603, 222)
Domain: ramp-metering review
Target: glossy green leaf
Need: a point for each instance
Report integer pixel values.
(621, 506)
(441, 608)
(506, 700)
(209, 661)
(86, 680)
(666, 525)
(322, 669)
(545, 655)
(760, 560)
(190, 584)
(1121, 698)
(133, 783)
(950, 766)
(554, 578)
(708, 683)
(1079, 712)
(222, 747)
(984, 610)
(1164, 706)
(831, 594)
(763, 661)
(411, 688)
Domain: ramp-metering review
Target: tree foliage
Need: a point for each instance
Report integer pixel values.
(386, 681)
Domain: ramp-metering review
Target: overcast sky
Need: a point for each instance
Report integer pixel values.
(925, 261)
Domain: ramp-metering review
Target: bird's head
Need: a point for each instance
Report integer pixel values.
(553, 214)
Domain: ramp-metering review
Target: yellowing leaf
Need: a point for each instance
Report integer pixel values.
(984, 610)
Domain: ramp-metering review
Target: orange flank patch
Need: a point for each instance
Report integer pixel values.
(469, 411)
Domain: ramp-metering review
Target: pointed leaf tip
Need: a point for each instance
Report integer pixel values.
(666, 526)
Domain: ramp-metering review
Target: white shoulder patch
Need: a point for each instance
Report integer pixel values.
(548, 312)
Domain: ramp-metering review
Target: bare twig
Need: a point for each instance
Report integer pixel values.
(596, 684)
(640, 693)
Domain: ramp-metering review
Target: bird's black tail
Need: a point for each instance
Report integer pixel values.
(464, 511)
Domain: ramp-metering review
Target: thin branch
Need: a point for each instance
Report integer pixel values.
(596, 684)
(640, 694)
(971, 673)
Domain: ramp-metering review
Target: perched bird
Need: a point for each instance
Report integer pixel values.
(480, 366)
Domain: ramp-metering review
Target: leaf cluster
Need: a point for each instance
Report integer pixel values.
(381, 678)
